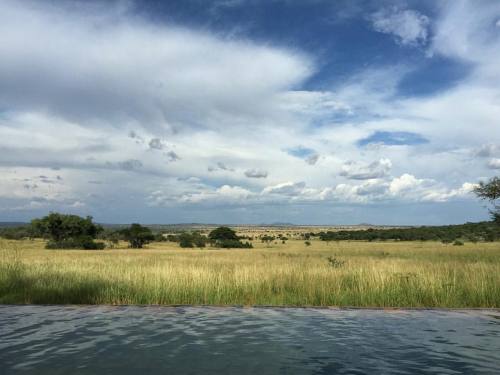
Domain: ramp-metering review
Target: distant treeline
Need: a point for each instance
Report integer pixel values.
(483, 231)
(75, 232)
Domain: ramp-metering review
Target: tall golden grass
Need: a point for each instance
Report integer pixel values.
(362, 274)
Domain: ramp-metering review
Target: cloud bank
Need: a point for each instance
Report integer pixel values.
(128, 119)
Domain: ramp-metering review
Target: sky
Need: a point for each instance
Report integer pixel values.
(249, 111)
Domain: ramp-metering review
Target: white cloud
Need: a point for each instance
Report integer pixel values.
(131, 97)
(404, 183)
(409, 27)
(465, 32)
(356, 171)
(285, 188)
(162, 77)
(494, 163)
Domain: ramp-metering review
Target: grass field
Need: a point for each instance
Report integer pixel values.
(363, 274)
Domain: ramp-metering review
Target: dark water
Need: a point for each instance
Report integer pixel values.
(206, 340)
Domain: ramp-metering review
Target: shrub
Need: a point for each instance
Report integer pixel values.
(16, 233)
(230, 244)
(172, 238)
(159, 237)
(185, 240)
(199, 240)
(84, 242)
(192, 239)
(266, 238)
(458, 243)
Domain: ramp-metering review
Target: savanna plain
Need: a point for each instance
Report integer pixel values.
(277, 273)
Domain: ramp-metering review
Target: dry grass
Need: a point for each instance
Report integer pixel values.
(389, 274)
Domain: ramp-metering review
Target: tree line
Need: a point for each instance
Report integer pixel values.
(74, 232)
(474, 232)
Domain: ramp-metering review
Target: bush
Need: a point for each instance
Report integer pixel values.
(159, 237)
(192, 239)
(16, 233)
(199, 240)
(172, 238)
(185, 240)
(84, 242)
(234, 244)
(458, 243)
(266, 238)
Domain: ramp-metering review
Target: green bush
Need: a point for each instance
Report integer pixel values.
(159, 237)
(186, 240)
(16, 233)
(234, 244)
(192, 239)
(84, 242)
(266, 238)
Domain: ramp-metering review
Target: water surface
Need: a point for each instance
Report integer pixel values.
(211, 340)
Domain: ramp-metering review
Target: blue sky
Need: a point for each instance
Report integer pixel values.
(249, 111)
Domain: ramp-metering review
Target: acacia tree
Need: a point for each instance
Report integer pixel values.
(490, 191)
(223, 233)
(67, 231)
(137, 235)
(226, 238)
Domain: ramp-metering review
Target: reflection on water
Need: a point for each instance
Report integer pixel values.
(190, 340)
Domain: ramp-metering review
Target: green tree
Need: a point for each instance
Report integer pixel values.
(490, 191)
(199, 240)
(67, 231)
(186, 240)
(137, 235)
(223, 233)
(226, 238)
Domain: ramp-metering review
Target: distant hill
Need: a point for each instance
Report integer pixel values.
(277, 224)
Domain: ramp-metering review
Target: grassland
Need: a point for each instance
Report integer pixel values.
(363, 274)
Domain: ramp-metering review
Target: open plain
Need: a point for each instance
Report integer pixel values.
(343, 273)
